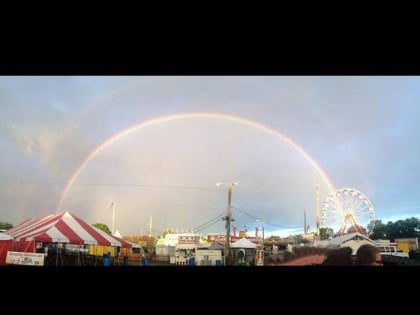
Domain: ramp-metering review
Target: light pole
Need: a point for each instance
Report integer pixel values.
(228, 217)
(263, 235)
(262, 229)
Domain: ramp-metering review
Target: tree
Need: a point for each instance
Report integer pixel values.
(379, 231)
(404, 228)
(167, 231)
(5, 226)
(325, 233)
(400, 229)
(102, 227)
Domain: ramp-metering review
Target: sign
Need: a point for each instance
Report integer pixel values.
(219, 238)
(260, 258)
(188, 239)
(27, 259)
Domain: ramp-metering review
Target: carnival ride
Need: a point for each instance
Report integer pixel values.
(348, 210)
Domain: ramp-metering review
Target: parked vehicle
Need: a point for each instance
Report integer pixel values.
(393, 250)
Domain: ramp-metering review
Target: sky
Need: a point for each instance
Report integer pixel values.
(143, 154)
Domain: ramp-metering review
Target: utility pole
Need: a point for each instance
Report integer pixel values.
(263, 235)
(228, 217)
(262, 230)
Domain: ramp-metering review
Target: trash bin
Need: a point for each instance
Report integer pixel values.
(125, 261)
(191, 261)
(218, 262)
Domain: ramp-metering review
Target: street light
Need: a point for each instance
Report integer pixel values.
(262, 225)
(228, 216)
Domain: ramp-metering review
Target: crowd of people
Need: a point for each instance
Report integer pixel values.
(366, 255)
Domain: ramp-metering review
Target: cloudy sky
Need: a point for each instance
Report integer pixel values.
(157, 147)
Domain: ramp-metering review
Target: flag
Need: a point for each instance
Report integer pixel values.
(112, 205)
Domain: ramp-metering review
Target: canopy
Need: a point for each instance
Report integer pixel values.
(243, 243)
(352, 240)
(339, 240)
(134, 245)
(216, 246)
(5, 237)
(63, 227)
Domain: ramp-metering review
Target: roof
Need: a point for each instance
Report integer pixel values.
(216, 246)
(352, 240)
(63, 227)
(134, 245)
(337, 241)
(5, 237)
(243, 243)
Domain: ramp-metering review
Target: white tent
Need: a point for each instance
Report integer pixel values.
(216, 246)
(352, 240)
(243, 243)
(5, 237)
(117, 234)
(134, 245)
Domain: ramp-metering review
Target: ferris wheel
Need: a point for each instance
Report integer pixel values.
(348, 208)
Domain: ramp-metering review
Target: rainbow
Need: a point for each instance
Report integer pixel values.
(182, 116)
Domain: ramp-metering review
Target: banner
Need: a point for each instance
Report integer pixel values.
(27, 259)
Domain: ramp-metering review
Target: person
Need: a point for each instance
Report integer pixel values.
(368, 255)
(107, 261)
(307, 255)
(309, 260)
(279, 257)
(300, 256)
(315, 256)
(145, 261)
(341, 256)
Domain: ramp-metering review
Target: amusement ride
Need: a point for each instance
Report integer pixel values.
(347, 209)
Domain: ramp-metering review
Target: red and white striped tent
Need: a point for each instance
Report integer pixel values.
(62, 227)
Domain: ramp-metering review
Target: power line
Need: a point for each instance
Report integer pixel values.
(249, 215)
(106, 184)
(206, 225)
(267, 222)
(209, 223)
(131, 201)
(200, 227)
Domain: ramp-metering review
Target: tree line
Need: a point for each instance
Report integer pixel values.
(5, 226)
(408, 228)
